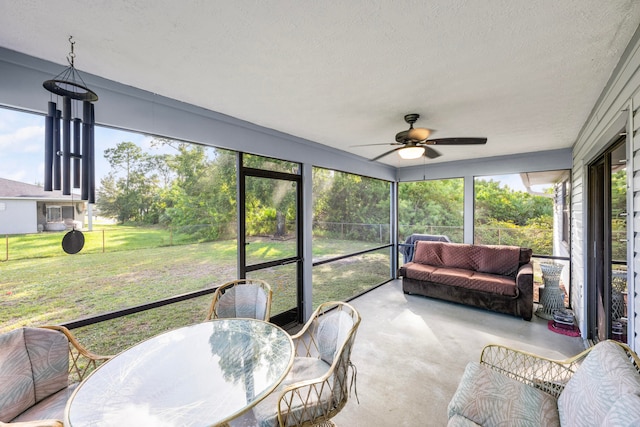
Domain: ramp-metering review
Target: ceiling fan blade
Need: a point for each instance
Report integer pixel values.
(456, 141)
(371, 145)
(430, 153)
(385, 154)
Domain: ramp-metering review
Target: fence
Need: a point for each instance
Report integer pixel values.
(115, 238)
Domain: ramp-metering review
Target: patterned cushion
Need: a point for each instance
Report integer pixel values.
(49, 355)
(417, 271)
(333, 328)
(605, 376)
(458, 255)
(491, 259)
(460, 421)
(624, 413)
(17, 390)
(489, 398)
(500, 260)
(246, 300)
(500, 285)
(51, 407)
(304, 368)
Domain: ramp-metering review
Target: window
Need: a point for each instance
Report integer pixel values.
(510, 211)
(431, 207)
(351, 240)
(163, 225)
(54, 214)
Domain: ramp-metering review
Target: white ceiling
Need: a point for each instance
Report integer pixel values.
(525, 74)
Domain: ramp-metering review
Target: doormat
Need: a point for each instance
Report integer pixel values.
(575, 332)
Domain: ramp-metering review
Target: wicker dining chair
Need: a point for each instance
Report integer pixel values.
(247, 298)
(40, 368)
(317, 386)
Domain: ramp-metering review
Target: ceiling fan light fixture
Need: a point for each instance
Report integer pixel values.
(412, 152)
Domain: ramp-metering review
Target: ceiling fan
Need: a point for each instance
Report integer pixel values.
(414, 143)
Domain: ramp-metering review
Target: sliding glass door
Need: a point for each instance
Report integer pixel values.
(607, 251)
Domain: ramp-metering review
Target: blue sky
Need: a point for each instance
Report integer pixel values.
(22, 146)
(22, 149)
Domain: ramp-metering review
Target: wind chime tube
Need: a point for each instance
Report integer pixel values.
(92, 157)
(48, 146)
(56, 151)
(86, 116)
(66, 146)
(76, 150)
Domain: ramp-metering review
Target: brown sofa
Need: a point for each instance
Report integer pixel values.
(497, 278)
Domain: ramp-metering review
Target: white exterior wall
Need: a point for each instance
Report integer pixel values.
(611, 114)
(18, 216)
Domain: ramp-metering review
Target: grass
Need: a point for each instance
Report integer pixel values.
(104, 238)
(51, 287)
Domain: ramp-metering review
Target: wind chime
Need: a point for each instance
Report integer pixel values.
(76, 98)
(58, 153)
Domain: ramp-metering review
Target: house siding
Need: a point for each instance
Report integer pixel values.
(18, 217)
(610, 114)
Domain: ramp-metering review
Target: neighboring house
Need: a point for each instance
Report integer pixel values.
(27, 208)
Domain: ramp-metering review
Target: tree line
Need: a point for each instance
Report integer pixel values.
(194, 188)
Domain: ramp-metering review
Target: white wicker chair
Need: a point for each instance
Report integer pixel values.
(247, 298)
(317, 387)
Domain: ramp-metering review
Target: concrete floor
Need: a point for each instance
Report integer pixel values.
(411, 351)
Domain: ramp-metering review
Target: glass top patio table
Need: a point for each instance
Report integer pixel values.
(199, 375)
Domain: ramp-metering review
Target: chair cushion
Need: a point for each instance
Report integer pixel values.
(17, 390)
(304, 368)
(246, 300)
(51, 407)
(460, 421)
(333, 329)
(489, 398)
(624, 413)
(605, 376)
(49, 355)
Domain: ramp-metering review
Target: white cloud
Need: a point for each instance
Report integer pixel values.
(25, 139)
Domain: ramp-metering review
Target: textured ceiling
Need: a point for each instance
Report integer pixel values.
(525, 74)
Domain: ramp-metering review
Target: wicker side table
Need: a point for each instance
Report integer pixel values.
(551, 296)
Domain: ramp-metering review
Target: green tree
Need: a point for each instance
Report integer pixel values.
(358, 203)
(129, 190)
(434, 206)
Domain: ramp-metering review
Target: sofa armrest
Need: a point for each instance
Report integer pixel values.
(81, 360)
(548, 375)
(524, 280)
(545, 374)
(524, 289)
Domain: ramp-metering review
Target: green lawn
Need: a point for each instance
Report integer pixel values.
(47, 286)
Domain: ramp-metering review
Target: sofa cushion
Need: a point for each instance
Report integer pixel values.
(489, 398)
(460, 421)
(491, 259)
(624, 413)
(491, 283)
(49, 355)
(17, 390)
(500, 260)
(417, 271)
(604, 377)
